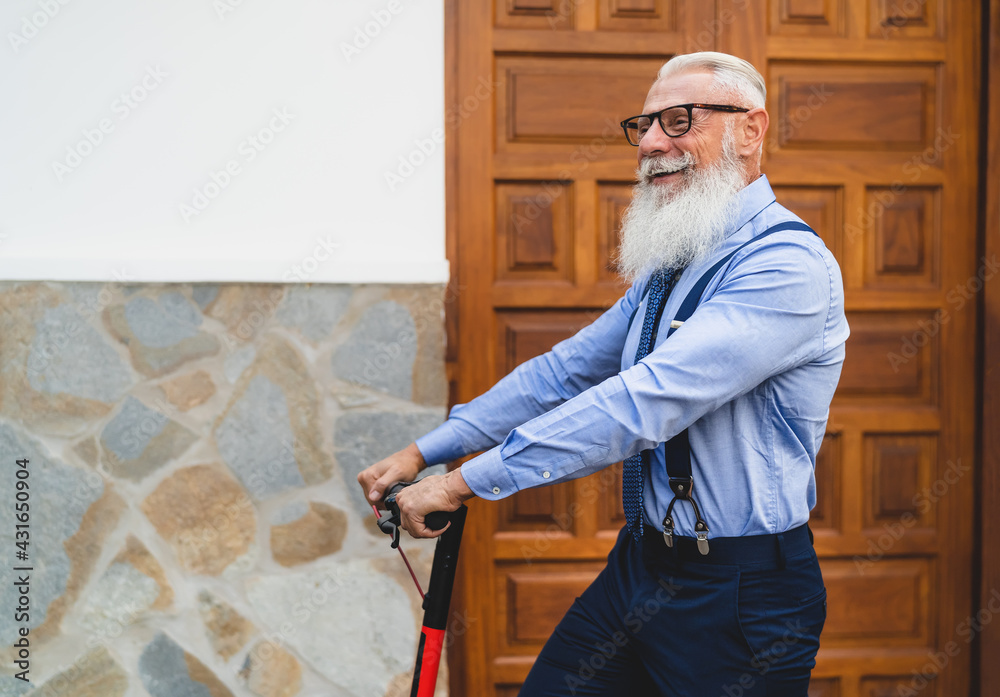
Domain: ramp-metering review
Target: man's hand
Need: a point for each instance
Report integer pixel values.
(403, 466)
(435, 493)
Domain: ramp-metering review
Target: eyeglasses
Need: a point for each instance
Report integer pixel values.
(674, 120)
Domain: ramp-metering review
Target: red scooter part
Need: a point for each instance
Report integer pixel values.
(438, 597)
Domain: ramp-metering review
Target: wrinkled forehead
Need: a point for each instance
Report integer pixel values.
(682, 88)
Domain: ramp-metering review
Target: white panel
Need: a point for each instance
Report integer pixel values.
(361, 87)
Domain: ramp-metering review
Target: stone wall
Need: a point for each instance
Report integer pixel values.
(195, 524)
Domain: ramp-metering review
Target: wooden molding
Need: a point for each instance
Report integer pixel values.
(989, 640)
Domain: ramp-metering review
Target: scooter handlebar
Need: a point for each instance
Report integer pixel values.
(389, 524)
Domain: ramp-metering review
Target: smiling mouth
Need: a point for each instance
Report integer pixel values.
(666, 174)
(657, 169)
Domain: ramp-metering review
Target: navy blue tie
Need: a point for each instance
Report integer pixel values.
(632, 476)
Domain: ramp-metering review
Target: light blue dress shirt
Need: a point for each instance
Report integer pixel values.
(751, 374)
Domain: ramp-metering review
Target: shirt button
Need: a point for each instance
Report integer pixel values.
(496, 490)
(545, 475)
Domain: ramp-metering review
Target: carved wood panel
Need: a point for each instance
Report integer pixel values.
(904, 238)
(894, 358)
(614, 198)
(552, 15)
(858, 107)
(559, 104)
(901, 469)
(638, 15)
(533, 599)
(808, 17)
(534, 231)
(884, 604)
(905, 19)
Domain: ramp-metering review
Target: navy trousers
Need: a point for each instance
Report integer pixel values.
(743, 621)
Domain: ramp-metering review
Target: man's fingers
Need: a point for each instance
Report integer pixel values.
(380, 486)
(431, 534)
(424, 532)
(437, 533)
(368, 487)
(369, 484)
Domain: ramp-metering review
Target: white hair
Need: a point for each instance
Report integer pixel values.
(733, 76)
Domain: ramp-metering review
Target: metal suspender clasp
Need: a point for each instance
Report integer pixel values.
(668, 530)
(682, 488)
(701, 530)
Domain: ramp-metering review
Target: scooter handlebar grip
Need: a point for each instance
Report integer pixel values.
(437, 519)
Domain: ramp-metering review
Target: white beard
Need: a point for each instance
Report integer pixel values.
(671, 229)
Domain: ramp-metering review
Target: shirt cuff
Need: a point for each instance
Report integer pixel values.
(440, 445)
(487, 476)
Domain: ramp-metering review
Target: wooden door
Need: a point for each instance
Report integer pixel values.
(872, 142)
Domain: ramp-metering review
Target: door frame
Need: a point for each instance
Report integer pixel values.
(989, 351)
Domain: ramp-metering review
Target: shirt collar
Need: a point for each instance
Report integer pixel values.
(751, 200)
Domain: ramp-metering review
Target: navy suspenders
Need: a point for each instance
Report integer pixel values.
(677, 450)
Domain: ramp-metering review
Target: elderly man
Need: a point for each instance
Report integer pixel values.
(712, 379)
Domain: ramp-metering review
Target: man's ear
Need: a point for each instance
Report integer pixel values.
(750, 137)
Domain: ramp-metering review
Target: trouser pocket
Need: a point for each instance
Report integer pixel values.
(782, 613)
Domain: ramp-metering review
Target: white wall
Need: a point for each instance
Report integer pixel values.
(174, 91)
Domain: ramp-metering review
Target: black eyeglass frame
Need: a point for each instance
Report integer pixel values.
(659, 114)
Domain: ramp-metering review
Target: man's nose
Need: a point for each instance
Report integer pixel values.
(655, 141)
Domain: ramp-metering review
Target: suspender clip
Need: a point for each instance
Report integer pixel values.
(681, 487)
(668, 531)
(701, 530)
